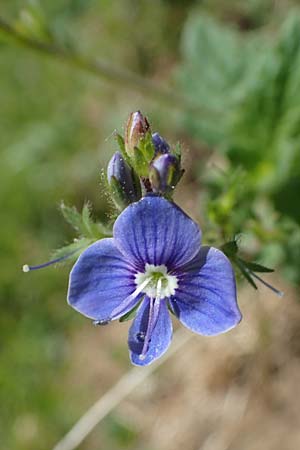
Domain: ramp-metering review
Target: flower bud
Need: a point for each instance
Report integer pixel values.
(165, 173)
(136, 129)
(124, 185)
(161, 146)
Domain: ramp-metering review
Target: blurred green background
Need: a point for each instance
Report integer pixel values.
(239, 63)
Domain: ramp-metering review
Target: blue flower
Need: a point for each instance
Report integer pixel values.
(155, 262)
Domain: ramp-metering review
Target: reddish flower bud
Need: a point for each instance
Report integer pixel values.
(136, 129)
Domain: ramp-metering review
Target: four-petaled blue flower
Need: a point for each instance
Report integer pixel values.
(155, 262)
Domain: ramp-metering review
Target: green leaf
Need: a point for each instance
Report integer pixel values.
(269, 107)
(72, 216)
(74, 249)
(83, 223)
(245, 273)
(86, 218)
(216, 64)
(254, 267)
(32, 23)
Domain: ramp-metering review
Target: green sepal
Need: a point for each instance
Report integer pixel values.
(230, 249)
(121, 144)
(245, 273)
(139, 163)
(118, 194)
(147, 147)
(256, 267)
(143, 155)
(176, 151)
(136, 183)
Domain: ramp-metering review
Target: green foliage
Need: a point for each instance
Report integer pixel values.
(216, 66)
(120, 433)
(33, 23)
(87, 230)
(142, 155)
(53, 140)
(254, 86)
(253, 83)
(83, 223)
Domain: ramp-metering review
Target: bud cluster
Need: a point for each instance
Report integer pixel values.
(145, 163)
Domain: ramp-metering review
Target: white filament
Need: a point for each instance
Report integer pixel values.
(159, 284)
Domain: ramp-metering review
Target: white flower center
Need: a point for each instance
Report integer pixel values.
(156, 282)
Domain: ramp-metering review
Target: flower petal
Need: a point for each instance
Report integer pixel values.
(156, 231)
(100, 281)
(205, 300)
(160, 337)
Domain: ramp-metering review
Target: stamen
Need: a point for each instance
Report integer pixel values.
(152, 320)
(26, 268)
(169, 282)
(276, 291)
(119, 310)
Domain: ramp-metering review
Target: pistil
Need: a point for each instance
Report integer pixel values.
(26, 268)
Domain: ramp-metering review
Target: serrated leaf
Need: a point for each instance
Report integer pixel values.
(72, 216)
(87, 221)
(73, 250)
(83, 223)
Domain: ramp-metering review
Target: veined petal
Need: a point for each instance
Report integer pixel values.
(156, 231)
(160, 337)
(100, 281)
(205, 300)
